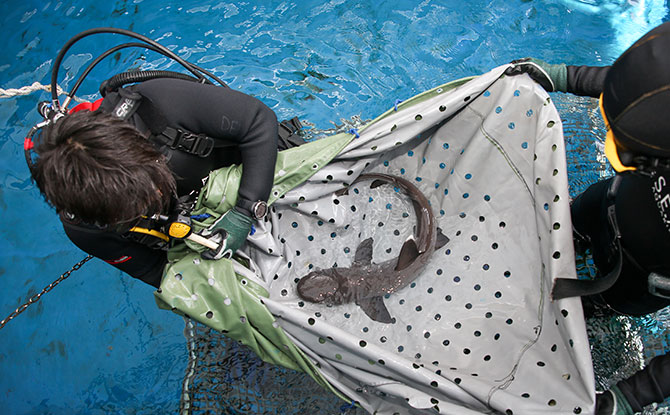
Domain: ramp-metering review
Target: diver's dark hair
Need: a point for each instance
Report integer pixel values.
(101, 170)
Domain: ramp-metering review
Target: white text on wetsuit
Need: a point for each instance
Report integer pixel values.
(662, 201)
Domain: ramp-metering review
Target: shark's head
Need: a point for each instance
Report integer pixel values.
(318, 286)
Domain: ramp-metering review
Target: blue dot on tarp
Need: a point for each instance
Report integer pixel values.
(517, 93)
(424, 160)
(333, 234)
(310, 238)
(524, 145)
(418, 179)
(498, 110)
(468, 176)
(487, 93)
(466, 195)
(389, 206)
(446, 191)
(402, 171)
(437, 185)
(487, 197)
(442, 165)
(511, 126)
(529, 113)
(386, 163)
(546, 206)
(442, 212)
(410, 153)
(452, 171)
(294, 224)
(370, 199)
(445, 146)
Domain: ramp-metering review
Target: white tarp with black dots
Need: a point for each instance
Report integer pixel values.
(476, 332)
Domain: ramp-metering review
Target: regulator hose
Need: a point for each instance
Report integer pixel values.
(124, 78)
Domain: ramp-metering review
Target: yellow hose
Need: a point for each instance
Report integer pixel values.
(150, 232)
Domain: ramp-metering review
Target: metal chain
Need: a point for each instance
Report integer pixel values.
(35, 298)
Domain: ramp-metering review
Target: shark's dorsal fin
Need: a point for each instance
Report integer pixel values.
(408, 254)
(441, 239)
(375, 308)
(364, 252)
(342, 192)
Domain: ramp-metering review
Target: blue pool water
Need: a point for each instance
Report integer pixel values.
(97, 343)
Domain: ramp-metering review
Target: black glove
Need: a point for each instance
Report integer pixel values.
(553, 78)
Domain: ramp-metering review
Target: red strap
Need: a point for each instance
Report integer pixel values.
(119, 260)
(87, 106)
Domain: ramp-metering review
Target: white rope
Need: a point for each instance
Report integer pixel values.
(26, 90)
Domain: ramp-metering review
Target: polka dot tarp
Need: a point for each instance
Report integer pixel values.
(475, 330)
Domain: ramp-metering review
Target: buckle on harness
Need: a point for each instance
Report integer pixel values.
(659, 285)
(203, 146)
(198, 144)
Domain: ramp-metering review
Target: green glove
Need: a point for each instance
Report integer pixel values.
(613, 402)
(230, 231)
(553, 78)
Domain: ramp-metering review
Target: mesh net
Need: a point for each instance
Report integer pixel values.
(224, 377)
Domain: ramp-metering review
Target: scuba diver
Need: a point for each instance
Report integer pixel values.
(625, 220)
(123, 169)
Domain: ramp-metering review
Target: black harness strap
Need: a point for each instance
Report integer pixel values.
(568, 287)
(128, 103)
(658, 285)
(178, 139)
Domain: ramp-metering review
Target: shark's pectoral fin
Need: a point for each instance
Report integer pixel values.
(364, 252)
(408, 254)
(375, 308)
(441, 239)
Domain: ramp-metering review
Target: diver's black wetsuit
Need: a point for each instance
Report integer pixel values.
(644, 235)
(244, 130)
(645, 241)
